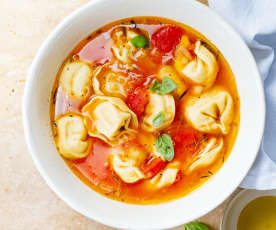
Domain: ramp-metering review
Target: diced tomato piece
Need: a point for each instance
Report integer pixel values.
(166, 38)
(148, 64)
(137, 100)
(152, 166)
(185, 139)
(135, 80)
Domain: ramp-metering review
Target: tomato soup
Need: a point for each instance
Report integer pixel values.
(145, 110)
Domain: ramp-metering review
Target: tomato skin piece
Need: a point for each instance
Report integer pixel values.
(166, 38)
(152, 166)
(137, 100)
(185, 140)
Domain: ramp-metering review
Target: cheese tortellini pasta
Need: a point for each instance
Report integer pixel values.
(126, 163)
(75, 79)
(212, 112)
(107, 82)
(208, 154)
(72, 137)
(165, 177)
(122, 47)
(109, 119)
(201, 70)
(158, 104)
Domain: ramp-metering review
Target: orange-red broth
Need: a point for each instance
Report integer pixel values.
(94, 170)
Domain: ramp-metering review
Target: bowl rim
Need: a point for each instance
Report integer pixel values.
(28, 133)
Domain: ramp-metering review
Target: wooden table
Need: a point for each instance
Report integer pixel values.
(26, 202)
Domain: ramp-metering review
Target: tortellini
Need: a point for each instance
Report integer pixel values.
(107, 82)
(75, 79)
(122, 47)
(109, 119)
(166, 177)
(208, 154)
(201, 70)
(72, 139)
(158, 104)
(168, 71)
(126, 163)
(212, 112)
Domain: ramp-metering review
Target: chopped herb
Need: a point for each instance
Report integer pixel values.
(115, 176)
(182, 95)
(159, 119)
(140, 42)
(54, 96)
(167, 86)
(164, 145)
(202, 139)
(204, 176)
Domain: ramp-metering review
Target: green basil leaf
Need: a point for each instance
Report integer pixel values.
(195, 226)
(164, 145)
(156, 86)
(140, 42)
(167, 86)
(159, 119)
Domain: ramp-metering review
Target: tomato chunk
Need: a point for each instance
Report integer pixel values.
(166, 38)
(152, 166)
(186, 139)
(137, 100)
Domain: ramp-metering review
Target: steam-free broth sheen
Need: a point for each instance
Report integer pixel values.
(145, 110)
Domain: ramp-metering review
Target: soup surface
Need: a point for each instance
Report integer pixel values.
(145, 110)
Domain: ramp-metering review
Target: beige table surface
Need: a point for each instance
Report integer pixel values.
(26, 202)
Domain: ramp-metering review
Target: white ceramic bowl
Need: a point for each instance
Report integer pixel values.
(91, 204)
(238, 203)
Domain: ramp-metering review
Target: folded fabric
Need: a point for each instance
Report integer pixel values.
(255, 20)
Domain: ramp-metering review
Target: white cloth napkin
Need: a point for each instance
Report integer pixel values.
(255, 20)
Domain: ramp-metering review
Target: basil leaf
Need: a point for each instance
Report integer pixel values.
(159, 119)
(164, 145)
(139, 42)
(195, 226)
(167, 86)
(156, 86)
